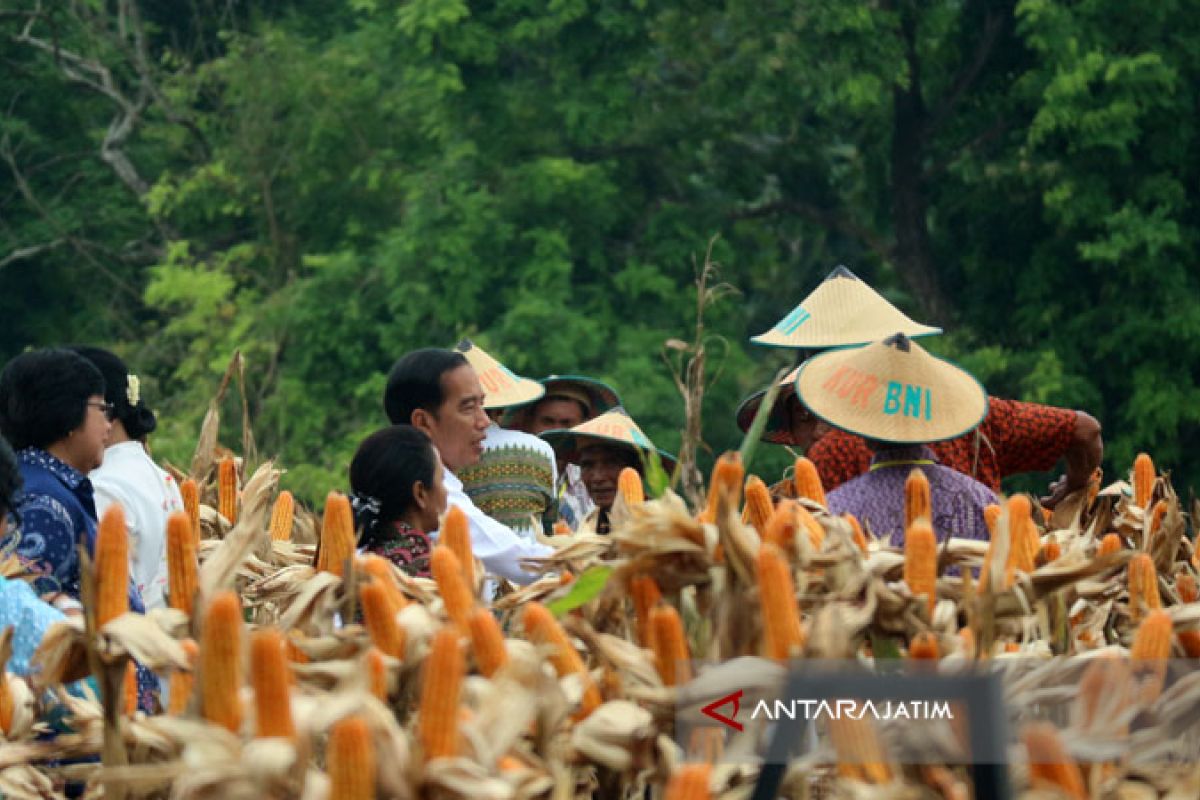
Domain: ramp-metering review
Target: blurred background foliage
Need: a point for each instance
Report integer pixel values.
(326, 185)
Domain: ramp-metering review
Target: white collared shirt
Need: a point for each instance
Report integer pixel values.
(497, 546)
(148, 495)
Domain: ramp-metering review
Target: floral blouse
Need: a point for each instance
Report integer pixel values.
(406, 547)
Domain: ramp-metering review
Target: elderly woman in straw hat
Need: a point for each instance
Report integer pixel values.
(602, 447)
(899, 398)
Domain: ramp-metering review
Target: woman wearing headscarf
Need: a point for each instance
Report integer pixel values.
(129, 477)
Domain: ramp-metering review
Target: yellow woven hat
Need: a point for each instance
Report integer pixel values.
(501, 388)
(842, 312)
(892, 391)
(611, 427)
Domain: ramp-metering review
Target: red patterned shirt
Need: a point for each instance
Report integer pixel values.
(1014, 437)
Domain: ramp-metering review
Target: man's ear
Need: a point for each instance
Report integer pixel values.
(422, 419)
(420, 494)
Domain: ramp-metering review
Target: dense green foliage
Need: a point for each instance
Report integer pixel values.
(326, 185)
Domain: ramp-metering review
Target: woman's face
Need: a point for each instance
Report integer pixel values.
(431, 499)
(85, 445)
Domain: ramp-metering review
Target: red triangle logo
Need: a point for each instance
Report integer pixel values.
(710, 710)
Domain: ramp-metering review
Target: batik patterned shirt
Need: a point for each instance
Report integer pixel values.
(407, 548)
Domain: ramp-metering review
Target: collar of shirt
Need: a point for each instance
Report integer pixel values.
(903, 455)
(72, 478)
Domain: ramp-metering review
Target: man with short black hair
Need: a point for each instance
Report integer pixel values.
(438, 392)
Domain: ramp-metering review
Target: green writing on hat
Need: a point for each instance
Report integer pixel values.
(908, 399)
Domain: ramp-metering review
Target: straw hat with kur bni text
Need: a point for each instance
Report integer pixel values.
(501, 388)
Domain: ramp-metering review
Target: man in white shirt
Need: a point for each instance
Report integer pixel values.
(437, 391)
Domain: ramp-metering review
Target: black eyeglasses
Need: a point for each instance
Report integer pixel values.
(110, 411)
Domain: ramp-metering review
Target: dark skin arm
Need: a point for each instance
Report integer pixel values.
(1083, 456)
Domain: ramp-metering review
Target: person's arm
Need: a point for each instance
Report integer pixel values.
(1083, 455)
(500, 550)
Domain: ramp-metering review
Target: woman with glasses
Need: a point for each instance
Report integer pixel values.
(129, 477)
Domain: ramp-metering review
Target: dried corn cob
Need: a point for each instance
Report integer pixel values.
(269, 675)
(441, 685)
(1049, 762)
(1050, 552)
(456, 535)
(689, 782)
(670, 647)
(182, 565)
(1111, 543)
(7, 704)
(1023, 538)
(645, 595)
(282, 516)
(991, 515)
(1143, 586)
(561, 528)
(782, 526)
(924, 647)
(377, 678)
(350, 760)
(380, 570)
(859, 752)
(227, 489)
(1143, 480)
(487, 642)
(920, 563)
(456, 597)
(808, 481)
(1190, 642)
(220, 661)
(816, 533)
(856, 531)
(293, 651)
(191, 505)
(1152, 641)
(112, 566)
(380, 620)
(782, 633)
(629, 484)
(541, 628)
(1185, 587)
(131, 689)
(337, 535)
(917, 503)
(759, 507)
(183, 683)
(1154, 523)
(726, 480)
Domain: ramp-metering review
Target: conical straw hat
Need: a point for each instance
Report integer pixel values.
(892, 391)
(599, 396)
(842, 312)
(778, 431)
(501, 388)
(611, 427)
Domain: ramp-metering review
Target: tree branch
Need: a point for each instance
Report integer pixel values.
(22, 253)
(993, 24)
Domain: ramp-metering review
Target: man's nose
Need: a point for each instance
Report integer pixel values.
(481, 419)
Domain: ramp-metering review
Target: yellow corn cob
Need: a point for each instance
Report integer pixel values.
(541, 628)
(808, 481)
(131, 689)
(350, 760)
(1093, 487)
(487, 642)
(645, 597)
(377, 679)
(859, 752)
(182, 565)
(6, 704)
(689, 782)
(727, 477)
(816, 533)
(991, 515)
(294, 653)
(1143, 586)
(220, 661)
(782, 632)
(442, 678)
(924, 647)
(269, 674)
(380, 570)
(670, 647)
(227, 488)
(456, 535)
(782, 526)
(453, 587)
(1022, 548)
(282, 516)
(191, 505)
(337, 535)
(1185, 587)
(1111, 543)
(381, 621)
(112, 566)
(860, 538)
(1050, 552)
(917, 503)
(920, 562)
(1156, 518)
(629, 484)
(1143, 480)
(561, 528)
(1190, 642)
(759, 507)
(1049, 762)
(1152, 642)
(183, 683)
